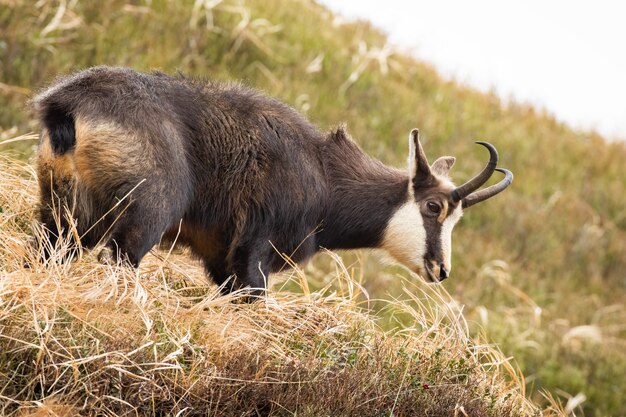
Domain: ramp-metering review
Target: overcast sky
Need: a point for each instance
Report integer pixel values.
(568, 56)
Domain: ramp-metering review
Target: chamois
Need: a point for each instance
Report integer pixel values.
(237, 176)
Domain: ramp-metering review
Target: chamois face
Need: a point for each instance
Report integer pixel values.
(439, 213)
(419, 234)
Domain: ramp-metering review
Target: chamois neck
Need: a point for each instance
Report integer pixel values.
(364, 194)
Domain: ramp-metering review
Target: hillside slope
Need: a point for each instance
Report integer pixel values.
(89, 339)
(540, 268)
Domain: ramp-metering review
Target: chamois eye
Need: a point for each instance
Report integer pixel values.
(433, 207)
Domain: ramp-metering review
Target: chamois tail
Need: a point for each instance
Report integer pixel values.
(59, 122)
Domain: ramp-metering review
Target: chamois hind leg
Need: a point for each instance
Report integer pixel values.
(140, 225)
(142, 174)
(56, 210)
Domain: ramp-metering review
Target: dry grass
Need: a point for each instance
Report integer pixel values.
(540, 269)
(90, 339)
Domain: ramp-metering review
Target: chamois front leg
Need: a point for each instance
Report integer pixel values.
(249, 270)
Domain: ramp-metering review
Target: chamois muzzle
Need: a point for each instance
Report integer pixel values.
(436, 273)
(465, 192)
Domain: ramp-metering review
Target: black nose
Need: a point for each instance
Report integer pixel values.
(443, 273)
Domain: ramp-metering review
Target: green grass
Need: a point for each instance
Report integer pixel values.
(531, 266)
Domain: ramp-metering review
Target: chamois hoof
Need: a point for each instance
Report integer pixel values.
(106, 257)
(32, 247)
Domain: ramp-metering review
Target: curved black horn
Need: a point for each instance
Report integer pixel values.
(472, 185)
(489, 192)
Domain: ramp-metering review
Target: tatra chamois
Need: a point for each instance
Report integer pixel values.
(237, 176)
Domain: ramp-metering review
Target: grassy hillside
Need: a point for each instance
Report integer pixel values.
(91, 339)
(539, 269)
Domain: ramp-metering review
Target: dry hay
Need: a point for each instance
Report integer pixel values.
(84, 338)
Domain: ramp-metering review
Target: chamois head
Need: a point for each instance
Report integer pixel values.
(419, 233)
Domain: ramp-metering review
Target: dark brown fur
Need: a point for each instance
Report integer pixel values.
(228, 171)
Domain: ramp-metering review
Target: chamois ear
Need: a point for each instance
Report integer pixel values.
(419, 169)
(442, 165)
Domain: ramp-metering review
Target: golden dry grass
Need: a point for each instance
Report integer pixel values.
(84, 338)
(539, 269)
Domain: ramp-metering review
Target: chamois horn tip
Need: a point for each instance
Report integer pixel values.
(493, 152)
(491, 191)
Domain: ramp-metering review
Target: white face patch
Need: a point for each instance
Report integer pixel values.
(446, 236)
(405, 237)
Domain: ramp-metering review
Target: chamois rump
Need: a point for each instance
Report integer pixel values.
(237, 176)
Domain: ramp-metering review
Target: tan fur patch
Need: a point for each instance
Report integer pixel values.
(108, 153)
(62, 166)
(98, 150)
(444, 212)
(205, 243)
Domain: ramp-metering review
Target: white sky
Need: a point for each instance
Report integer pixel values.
(568, 56)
